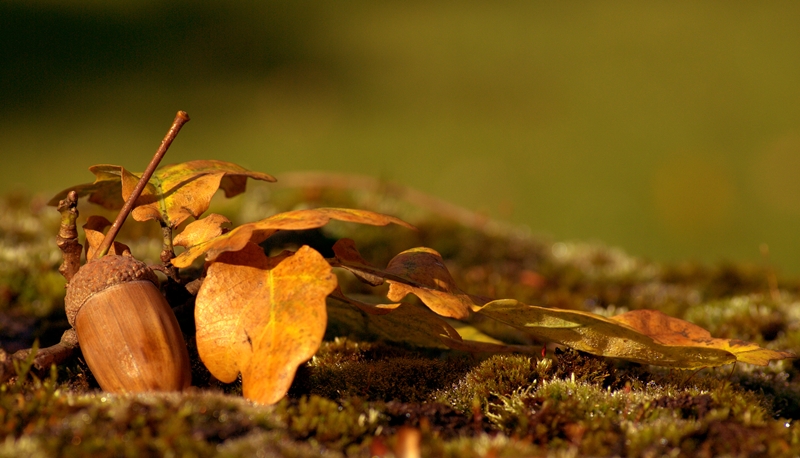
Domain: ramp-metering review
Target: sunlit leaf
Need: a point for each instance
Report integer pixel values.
(179, 191)
(616, 338)
(667, 330)
(171, 202)
(262, 317)
(201, 230)
(258, 231)
(94, 237)
(427, 277)
(419, 271)
(479, 346)
(105, 191)
(174, 193)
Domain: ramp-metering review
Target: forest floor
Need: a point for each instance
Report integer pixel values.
(366, 394)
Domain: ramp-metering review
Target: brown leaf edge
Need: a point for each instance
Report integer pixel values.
(106, 190)
(258, 231)
(645, 336)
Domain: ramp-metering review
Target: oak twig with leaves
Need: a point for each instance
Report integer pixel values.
(262, 316)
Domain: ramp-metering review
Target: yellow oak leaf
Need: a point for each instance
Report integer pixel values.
(262, 317)
(174, 192)
(258, 231)
(106, 190)
(94, 237)
(201, 230)
(410, 324)
(667, 330)
(646, 336)
(422, 272)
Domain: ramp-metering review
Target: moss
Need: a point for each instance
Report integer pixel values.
(601, 422)
(752, 317)
(688, 405)
(781, 395)
(272, 444)
(436, 418)
(141, 425)
(334, 424)
(499, 375)
(485, 445)
(583, 367)
(343, 369)
(358, 398)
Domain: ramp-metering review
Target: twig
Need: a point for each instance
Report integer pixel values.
(67, 238)
(167, 253)
(45, 357)
(180, 119)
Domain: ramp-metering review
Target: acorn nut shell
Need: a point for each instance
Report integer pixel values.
(127, 332)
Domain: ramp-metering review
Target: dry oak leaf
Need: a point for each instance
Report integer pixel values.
(174, 193)
(202, 230)
(667, 330)
(178, 191)
(615, 338)
(94, 237)
(262, 317)
(258, 231)
(347, 257)
(106, 190)
(409, 324)
(421, 271)
(368, 308)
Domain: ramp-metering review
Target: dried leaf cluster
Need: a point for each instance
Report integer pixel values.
(262, 316)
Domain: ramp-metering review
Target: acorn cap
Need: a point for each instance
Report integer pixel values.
(99, 274)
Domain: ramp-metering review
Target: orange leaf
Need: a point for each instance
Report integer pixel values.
(427, 277)
(94, 237)
(371, 309)
(262, 317)
(647, 337)
(410, 324)
(258, 231)
(174, 193)
(667, 330)
(106, 190)
(169, 201)
(350, 259)
(201, 230)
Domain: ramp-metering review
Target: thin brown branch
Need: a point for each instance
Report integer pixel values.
(45, 357)
(180, 119)
(167, 253)
(67, 238)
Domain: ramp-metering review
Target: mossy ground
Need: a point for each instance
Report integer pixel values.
(360, 397)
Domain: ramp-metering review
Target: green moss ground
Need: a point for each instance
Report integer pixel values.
(361, 397)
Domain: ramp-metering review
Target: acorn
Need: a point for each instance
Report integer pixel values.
(127, 331)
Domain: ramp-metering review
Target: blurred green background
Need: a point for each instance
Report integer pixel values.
(671, 129)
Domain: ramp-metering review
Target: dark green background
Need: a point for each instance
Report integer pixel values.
(671, 129)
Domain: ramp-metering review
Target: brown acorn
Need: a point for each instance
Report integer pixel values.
(127, 331)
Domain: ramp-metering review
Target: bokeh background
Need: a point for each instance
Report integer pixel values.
(671, 129)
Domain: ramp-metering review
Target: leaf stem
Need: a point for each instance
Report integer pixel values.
(167, 253)
(180, 119)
